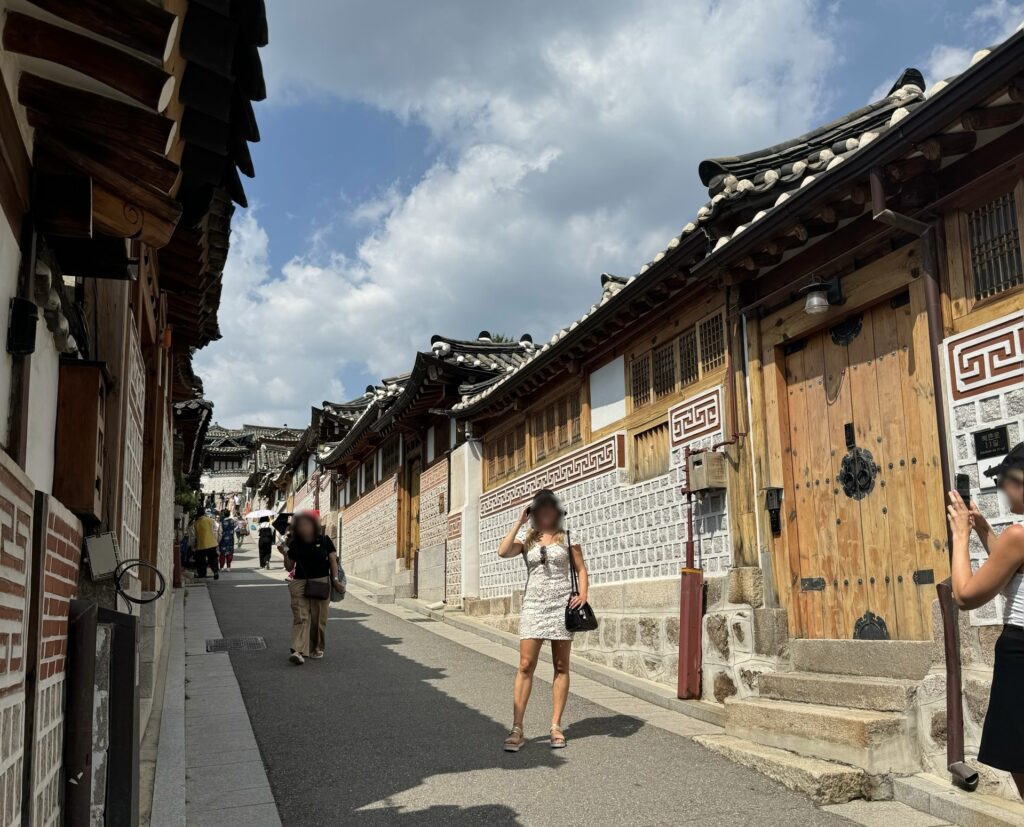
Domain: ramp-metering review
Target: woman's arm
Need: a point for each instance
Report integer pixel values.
(510, 546)
(1006, 555)
(580, 565)
(335, 579)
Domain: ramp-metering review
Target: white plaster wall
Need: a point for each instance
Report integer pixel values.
(42, 420)
(608, 394)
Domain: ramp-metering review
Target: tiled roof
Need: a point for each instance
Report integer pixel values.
(756, 184)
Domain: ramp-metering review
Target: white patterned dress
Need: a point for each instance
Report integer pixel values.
(548, 587)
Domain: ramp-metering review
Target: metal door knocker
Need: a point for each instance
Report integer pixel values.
(846, 331)
(857, 473)
(870, 627)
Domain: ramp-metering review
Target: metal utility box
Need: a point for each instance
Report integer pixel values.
(706, 471)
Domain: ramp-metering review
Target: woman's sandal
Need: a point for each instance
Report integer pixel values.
(515, 739)
(557, 738)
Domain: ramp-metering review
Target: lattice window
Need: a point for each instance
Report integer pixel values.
(368, 474)
(640, 380)
(389, 458)
(689, 362)
(664, 360)
(537, 431)
(131, 495)
(994, 235)
(651, 453)
(353, 487)
(505, 454)
(712, 343)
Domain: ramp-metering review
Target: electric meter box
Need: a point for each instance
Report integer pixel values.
(706, 471)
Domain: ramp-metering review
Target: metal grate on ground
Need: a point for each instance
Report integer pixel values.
(235, 644)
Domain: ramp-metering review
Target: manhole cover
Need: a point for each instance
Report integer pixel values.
(235, 644)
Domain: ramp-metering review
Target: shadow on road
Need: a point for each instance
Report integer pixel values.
(367, 722)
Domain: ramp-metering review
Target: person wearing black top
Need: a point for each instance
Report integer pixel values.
(311, 555)
(266, 542)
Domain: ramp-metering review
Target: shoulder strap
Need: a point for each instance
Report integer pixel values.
(572, 564)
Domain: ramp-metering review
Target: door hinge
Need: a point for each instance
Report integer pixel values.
(812, 584)
(924, 576)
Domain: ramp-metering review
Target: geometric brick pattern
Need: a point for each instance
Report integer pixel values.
(696, 417)
(434, 505)
(986, 358)
(453, 555)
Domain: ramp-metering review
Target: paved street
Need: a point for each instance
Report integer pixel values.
(400, 725)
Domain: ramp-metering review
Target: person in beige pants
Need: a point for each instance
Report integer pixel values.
(311, 555)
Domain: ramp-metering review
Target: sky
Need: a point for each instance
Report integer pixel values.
(455, 166)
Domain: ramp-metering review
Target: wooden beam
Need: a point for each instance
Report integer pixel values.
(145, 27)
(114, 215)
(139, 165)
(992, 117)
(909, 168)
(94, 114)
(946, 144)
(795, 236)
(141, 81)
(62, 205)
(99, 257)
(15, 165)
(823, 221)
(1016, 89)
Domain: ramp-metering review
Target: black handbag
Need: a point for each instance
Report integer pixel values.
(582, 618)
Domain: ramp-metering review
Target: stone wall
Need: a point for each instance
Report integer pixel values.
(369, 534)
(985, 389)
(434, 501)
(453, 569)
(628, 531)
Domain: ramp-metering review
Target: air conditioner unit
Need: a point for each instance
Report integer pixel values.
(706, 471)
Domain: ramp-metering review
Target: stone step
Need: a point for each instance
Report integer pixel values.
(825, 782)
(878, 742)
(901, 659)
(878, 694)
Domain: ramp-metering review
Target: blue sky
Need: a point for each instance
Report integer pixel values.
(462, 165)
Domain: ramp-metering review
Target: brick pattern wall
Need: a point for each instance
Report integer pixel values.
(453, 555)
(628, 531)
(434, 505)
(369, 533)
(984, 370)
(63, 556)
(15, 559)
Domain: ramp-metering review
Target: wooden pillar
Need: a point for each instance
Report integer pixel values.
(741, 493)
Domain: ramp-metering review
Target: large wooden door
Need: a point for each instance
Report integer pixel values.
(411, 515)
(867, 541)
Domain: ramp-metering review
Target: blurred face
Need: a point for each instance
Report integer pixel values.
(305, 529)
(1013, 488)
(545, 517)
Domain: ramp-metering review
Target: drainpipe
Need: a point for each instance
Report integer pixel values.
(961, 773)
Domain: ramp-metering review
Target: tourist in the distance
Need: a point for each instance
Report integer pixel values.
(1002, 738)
(203, 536)
(226, 547)
(545, 550)
(310, 555)
(265, 541)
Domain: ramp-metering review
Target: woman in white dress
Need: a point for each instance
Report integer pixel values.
(545, 550)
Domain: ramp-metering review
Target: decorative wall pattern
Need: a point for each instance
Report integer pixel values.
(598, 458)
(987, 358)
(434, 505)
(982, 394)
(453, 557)
(696, 417)
(628, 531)
(369, 534)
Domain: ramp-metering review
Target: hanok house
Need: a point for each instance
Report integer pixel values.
(842, 327)
(271, 447)
(394, 481)
(226, 456)
(123, 128)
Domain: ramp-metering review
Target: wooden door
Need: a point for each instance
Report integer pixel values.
(868, 531)
(413, 468)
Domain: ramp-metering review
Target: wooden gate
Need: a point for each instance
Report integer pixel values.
(866, 528)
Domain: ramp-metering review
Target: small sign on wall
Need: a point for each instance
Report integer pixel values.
(990, 446)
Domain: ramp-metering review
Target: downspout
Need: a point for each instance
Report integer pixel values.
(962, 774)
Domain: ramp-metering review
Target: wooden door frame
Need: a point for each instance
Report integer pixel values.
(864, 288)
(403, 549)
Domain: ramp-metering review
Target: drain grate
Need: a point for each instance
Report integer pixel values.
(235, 644)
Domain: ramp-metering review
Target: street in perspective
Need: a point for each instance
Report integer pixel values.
(464, 413)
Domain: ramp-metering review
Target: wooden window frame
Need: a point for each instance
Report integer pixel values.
(390, 453)
(660, 442)
(961, 298)
(566, 426)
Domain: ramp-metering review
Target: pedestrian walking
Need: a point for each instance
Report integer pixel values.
(549, 590)
(1002, 737)
(265, 539)
(203, 536)
(311, 556)
(226, 546)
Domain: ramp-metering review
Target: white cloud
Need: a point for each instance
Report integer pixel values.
(986, 25)
(567, 136)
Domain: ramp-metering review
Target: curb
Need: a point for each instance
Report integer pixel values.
(935, 796)
(648, 691)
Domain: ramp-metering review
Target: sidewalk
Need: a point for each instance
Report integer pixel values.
(225, 782)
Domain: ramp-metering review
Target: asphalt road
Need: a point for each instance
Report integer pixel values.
(397, 726)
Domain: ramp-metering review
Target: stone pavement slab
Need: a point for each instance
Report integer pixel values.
(225, 781)
(884, 814)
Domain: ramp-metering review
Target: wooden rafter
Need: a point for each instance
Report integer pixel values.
(142, 26)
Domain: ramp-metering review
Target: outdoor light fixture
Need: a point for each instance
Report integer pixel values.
(821, 295)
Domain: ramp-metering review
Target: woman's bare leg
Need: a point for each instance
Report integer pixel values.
(560, 650)
(529, 651)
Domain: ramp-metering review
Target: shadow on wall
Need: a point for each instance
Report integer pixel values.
(341, 738)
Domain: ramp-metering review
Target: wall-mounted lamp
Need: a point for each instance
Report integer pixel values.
(821, 295)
